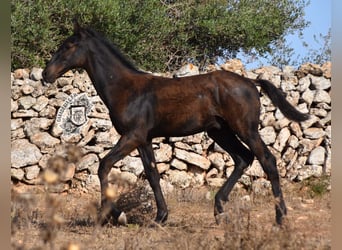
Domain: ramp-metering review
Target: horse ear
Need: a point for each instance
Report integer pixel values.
(77, 26)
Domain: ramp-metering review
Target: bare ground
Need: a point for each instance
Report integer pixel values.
(43, 220)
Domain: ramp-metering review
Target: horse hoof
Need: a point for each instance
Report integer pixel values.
(222, 218)
(122, 219)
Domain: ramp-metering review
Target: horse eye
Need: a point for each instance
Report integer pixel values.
(69, 45)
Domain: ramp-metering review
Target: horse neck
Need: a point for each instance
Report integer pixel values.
(106, 70)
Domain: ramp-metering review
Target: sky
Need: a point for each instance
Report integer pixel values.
(319, 14)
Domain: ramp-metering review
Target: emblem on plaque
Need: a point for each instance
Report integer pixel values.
(72, 115)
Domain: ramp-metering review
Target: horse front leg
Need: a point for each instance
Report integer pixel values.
(125, 145)
(149, 162)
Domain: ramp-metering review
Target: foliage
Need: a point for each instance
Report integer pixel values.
(156, 34)
(317, 186)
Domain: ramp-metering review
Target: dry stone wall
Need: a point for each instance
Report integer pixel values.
(39, 140)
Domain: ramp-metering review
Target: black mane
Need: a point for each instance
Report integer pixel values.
(114, 49)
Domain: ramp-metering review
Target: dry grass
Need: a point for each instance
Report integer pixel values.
(44, 220)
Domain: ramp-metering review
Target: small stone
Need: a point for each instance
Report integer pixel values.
(21, 73)
(322, 96)
(163, 153)
(36, 74)
(23, 153)
(41, 103)
(27, 89)
(282, 138)
(187, 70)
(88, 162)
(255, 170)
(215, 182)
(192, 158)
(133, 165)
(317, 156)
(179, 178)
(26, 102)
(17, 173)
(217, 160)
(304, 84)
(44, 140)
(320, 83)
(313, 133)
(308, 96)
(162, 167)
(178, 164)
(25, 114)
(268, 135)
(32, 172)
(14, 105)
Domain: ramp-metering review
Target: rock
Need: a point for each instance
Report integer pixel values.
(309, 122)
(313, 133)
(36, 125)
(178, 164)
(163, 153)
(261, 186)
(64, 81)
(187, 70)
(24, 114)
(307, 145)
(234, 65)
(303, 84)
(213, 173)
(255, 170)
(32, 172)
(267, 119)
(320, 83)
(88, 162)
(14, 105)
(68, 173)
(17, 173)
(217, 160)
(322, 96)
(48, 112)
(293, 141)
(317, 156)
(162, 167)
(308, 96)
(282, 138)
(179, 178)
(308, 171)
(36, 74)
(92, 182)
(21, 73)
(192, 158)
(27, 89)
(23, 153)
(133, 165)
(296, 129)
(319, 112)
(268, 135)
(26, 102)
(311, 68)
(326, 67)
(16, 123)
(41, 103)
(215, 182)
(44, 140)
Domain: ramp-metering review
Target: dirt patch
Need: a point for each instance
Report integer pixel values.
(43, 220)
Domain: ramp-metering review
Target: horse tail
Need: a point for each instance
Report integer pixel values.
(279, 100)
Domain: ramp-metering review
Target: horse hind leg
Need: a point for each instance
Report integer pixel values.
(242, 158)
(268, 163)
